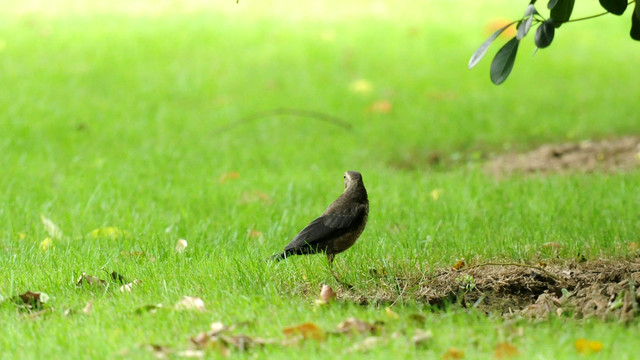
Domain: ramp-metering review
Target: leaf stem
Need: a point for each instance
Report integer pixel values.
(594, 16)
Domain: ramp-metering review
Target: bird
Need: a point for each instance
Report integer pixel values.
(339, 226)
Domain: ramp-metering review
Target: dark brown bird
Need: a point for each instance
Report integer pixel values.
(338, 227)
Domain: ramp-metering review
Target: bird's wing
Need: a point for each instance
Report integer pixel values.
(327, 226)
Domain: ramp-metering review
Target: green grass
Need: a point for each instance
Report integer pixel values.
(111, 117)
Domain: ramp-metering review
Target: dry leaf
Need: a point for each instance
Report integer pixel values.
(31, 300)
(391, 314)
(254, 233)
(118, 278)
(255, 196)
(453, 354)
(306, 330)
(159, 351)
(419, 318)
(37, 314)
(128, 287)
(459, 265)
(422, 338)
(381, 107)
(148, 308)
(181, 245)
(356, 325)
(46, 244)
(229, 176)
(190, 353)
(584, 346)
(366, 345)
(89, 280)
(52, 229)
(137, 255)
(108, 232)
(327, 294)
(88, 309)
(505, 350)
(190, 303)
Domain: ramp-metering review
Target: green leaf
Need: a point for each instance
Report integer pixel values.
(503, 61)
(482, 50)
(635, 23)
(561, 12)
(544, 34)
(552, 4)
(525, 26)
(616, 7)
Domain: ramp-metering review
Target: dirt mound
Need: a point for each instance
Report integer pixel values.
(587, 156)
(608, 290)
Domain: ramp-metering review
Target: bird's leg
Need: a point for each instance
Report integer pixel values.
(335, 275)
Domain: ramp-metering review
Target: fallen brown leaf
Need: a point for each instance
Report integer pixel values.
(91, 281)
(453, 354)
(459, 265)
(31, 300)
(151, 308)
(381, 107)
(190, 303)
(118, 278)
(327, 294)
(307, 331)
(232, 175)
(128, 287)
(88, 309)
(351, 325)
(366, 344)
(137, 255)
(159, 351)
(422, 338)
(504, 350)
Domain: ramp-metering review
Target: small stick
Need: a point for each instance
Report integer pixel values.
(284, 111)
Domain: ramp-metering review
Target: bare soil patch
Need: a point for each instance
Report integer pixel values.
(586, 156)
(605, 289)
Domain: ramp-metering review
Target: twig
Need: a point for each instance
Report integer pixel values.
(284, 111)
(517, 264)
(594, 16)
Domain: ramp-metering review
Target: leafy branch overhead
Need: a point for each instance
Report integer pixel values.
(559, 13)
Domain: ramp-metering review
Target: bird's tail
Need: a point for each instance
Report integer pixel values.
(277, 257)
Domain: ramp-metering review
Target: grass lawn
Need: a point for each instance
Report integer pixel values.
(115, 126)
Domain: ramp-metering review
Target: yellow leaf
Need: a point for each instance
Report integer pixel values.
(435, 194)
(391, 314)
(459, 265)
(584, 346)
(109, 231)
(505, 350)
(52, 229)
(453, 354)
(361, 86)
(46, 244)
(306, 330)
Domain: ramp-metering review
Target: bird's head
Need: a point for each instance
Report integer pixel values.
(352, 179)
